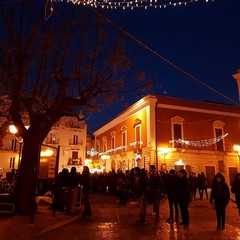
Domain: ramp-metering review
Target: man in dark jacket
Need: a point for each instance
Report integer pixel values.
(156, 189)
(140, 187)
(220, 196)
(183, 196)
(171, 194)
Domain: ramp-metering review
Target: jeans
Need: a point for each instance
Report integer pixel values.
(172, 203)
(221, 214)
(184, 212)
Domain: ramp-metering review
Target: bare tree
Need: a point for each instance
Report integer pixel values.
(50, 69)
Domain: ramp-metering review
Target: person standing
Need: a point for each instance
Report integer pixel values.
(86, 182)
(183, 195)
(73, 183)
(205, 184)
(193, 185)
(236, 189)
(122, 188)
(155, 189)
(140, 187)
(171, 194)
(220, 196)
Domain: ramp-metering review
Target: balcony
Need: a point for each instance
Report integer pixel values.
(51, 141)
(76, 143)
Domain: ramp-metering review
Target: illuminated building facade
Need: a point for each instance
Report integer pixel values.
(173, 133)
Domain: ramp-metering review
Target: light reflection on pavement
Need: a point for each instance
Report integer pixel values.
(112, 221)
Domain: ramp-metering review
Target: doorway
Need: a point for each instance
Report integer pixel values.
(210, 173)
(232, 174)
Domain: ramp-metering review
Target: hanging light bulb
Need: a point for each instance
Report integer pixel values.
(126, 4)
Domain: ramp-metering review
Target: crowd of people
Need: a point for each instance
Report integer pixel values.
(149, 187)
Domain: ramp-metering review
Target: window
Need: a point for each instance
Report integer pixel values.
(104, 144)
(177, 131)
(74, 155)
(219, 144)
(218, 127)
(75, 139)
(14, 144)
(113, 144)
(113, 133)
(138, 136)
(52, 138)
(124, 140)
(12, 162)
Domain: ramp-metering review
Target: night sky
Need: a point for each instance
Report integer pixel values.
(202, 38)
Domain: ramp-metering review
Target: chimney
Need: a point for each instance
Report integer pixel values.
(237, 78)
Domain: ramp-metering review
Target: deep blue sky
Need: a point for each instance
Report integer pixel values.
(202, 38)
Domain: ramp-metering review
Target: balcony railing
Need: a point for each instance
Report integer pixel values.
(78, 143)
(51, 141)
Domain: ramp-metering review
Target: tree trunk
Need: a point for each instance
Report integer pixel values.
(26, 180)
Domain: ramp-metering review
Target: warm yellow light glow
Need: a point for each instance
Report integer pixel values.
(87, 161)
(105, 157)
(46, 153)
(13, 129)
(180, 163)
(92, 170)
(164, 151)
(236, 148)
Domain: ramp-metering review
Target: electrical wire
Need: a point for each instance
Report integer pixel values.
(162, 57)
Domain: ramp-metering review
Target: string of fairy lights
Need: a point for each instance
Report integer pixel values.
(131, 4)
(200, 143)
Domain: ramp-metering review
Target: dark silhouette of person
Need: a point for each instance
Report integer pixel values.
(183, 195)
(86, 182)
(171, 194)
(220, 196)
(236, 189)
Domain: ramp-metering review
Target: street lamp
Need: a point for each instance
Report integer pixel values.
(13, 130)
(236, 148)
(164, 152)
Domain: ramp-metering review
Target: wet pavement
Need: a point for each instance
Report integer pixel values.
(112, 221)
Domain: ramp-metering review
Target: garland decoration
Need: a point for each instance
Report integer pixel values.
(200, 143)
